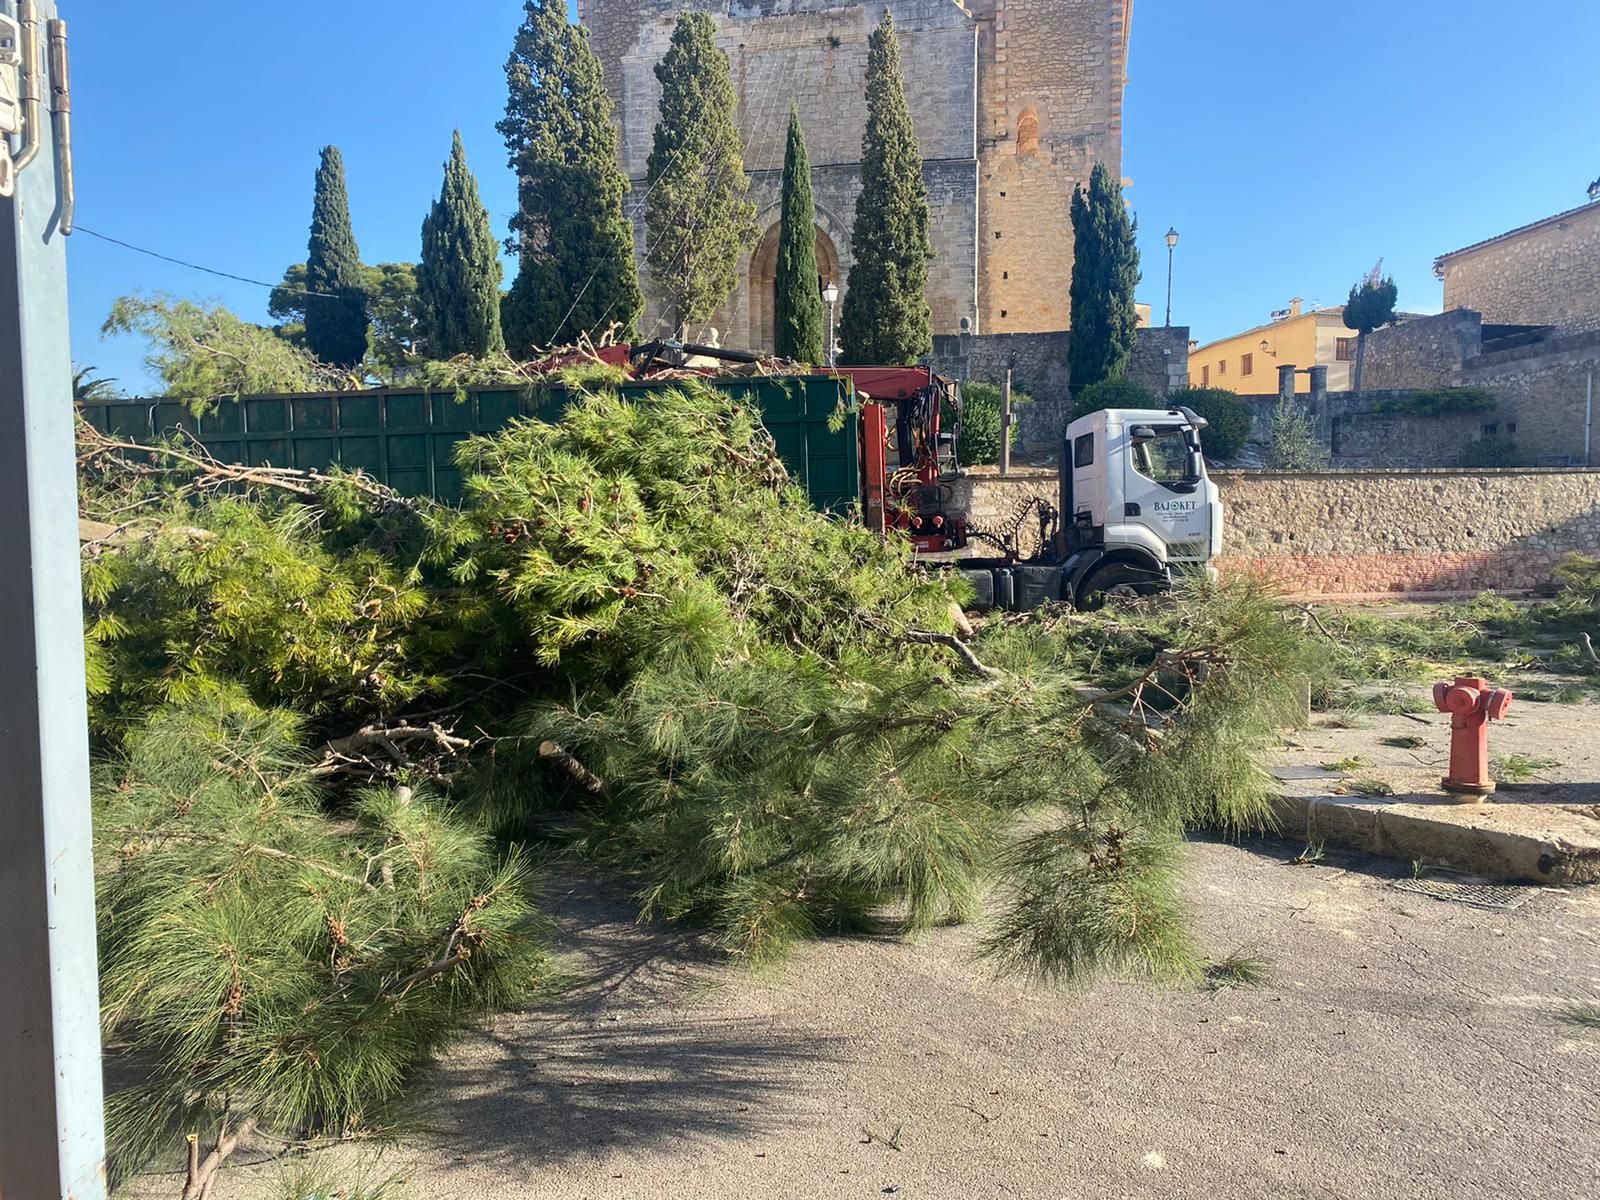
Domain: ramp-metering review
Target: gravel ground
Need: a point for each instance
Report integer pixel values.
(1403, 1046)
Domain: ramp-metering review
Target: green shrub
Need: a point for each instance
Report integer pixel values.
(1439, 402)
(1112, 393)
(979, 441)
(1494, 450)
(1228, 418)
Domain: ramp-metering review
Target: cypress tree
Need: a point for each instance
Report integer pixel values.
(577, 269)
(1370, 306)
(458, 279)
(799, 322)
(698, 219)
(336, 317)
(886, 317)
(1105, 270)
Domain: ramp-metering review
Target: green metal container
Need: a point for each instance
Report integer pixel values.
(406, 437)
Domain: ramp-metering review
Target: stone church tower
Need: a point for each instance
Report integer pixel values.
(1013, 102)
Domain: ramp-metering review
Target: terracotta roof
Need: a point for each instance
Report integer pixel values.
(1560, 216)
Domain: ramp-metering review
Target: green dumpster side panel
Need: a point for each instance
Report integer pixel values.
(407, 437)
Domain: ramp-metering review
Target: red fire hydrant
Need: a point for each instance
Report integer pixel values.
(1472, 704)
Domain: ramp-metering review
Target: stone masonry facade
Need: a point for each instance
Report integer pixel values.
(1546, 273)
(1543, 378)
(1374, 534)
(1013, 102)
(1038, 364)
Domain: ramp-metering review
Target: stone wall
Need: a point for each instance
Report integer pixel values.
(1543, 390)
(1541, 378)
(1545, 274)
(1160, 358)
(1425, 352)
(1376, 533)
(1359, 436)
(1373, 533)
(1038, 363)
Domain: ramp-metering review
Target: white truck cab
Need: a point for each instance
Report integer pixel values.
(1136, 506)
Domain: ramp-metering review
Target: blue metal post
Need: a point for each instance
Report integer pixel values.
(52, 1140)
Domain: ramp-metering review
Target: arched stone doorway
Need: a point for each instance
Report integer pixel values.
(764, 283)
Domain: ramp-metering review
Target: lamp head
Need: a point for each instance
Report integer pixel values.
(830, 292)
(1172, 237)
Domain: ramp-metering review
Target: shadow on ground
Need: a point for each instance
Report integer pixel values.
(629, 1057)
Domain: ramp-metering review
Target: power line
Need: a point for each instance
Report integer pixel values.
(105, 237)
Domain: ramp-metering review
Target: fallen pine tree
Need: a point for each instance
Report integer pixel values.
(636, 640)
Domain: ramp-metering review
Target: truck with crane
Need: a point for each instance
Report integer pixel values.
(1134, 505)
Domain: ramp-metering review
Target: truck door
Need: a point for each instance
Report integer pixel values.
(1087, 461)
(1162, 489)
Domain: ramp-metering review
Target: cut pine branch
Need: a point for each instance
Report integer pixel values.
(380, 750)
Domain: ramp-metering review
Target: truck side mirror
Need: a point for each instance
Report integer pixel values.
(1142, 433)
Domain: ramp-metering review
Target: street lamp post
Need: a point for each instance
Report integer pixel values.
(1172, 244)
(830, 297)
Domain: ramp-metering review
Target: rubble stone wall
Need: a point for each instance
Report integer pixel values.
(1381, 533)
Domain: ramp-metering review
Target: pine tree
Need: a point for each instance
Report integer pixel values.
(886, 317)
(1105, 270)
(267, 966)
(698, 220)
(745, 704)
(799, 324)
(336, 316)
(458, 279)
(577, 271)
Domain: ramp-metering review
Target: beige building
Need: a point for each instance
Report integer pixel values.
(1248, 362)
(1013, 102)
(1546, 273)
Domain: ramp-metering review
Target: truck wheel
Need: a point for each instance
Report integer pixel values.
(1117, 579)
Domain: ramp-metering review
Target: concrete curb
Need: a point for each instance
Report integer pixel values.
(1535, 843)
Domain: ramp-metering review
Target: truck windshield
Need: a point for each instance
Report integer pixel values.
(1165, 459)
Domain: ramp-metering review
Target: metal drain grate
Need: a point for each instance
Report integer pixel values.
(1479, 895)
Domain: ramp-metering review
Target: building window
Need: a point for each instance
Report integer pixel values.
(1205, 376)
(1511, 427)
(1344, 349)
(1222, 366)
(1027, 133)
(1247, 364)
(1491, 430)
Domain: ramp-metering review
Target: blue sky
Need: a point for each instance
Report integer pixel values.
(1290, 144)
